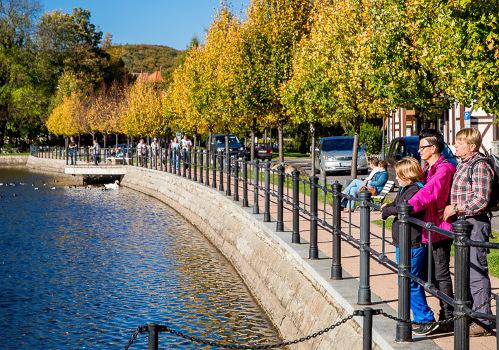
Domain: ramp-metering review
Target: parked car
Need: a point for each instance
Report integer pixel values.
(262, 151)
(218, 144)
(334, 154)
(405, 146)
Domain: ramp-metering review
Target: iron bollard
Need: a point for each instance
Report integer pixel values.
(313, 252)
(266, 177)
(295, 236)
(221, 171)
(183, 158)
(228, 190)
(256, 204)
(462, 230)
(169, 162)
(280, 199)
(214, 170)
(188, 159)
(195, 165)
(336, 269)
(201, 153)
(161, 158)
(207, 169)
(403, 331)
(236, 180)
(152, 339)
(367, 329)
(245, 182)
(364, 297)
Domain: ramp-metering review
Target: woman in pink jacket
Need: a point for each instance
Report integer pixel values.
(432, 199)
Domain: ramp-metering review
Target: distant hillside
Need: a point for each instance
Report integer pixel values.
(146, 58)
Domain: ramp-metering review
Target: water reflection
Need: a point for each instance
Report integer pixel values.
(82, 267)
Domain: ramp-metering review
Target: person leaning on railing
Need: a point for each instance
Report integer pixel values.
(471, 199)
(432, 199)
(409, 177)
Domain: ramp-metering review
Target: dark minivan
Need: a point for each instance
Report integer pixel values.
(408, 146)
(218, 144)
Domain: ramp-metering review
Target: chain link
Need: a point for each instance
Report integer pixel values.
(139, 330)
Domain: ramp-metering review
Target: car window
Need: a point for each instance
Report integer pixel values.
(337, 145)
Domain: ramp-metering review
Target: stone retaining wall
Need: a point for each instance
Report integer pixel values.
(45, 164)
(13, 160)
(296, 298)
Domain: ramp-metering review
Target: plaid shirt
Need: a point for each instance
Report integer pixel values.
(473, 197)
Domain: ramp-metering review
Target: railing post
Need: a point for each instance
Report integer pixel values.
(195, 165)
(160, 158)
(462, 230)
(280, 198)
(313, 252)
(67, 155)
(497, 319)
(256, 204)
(365, 242)
(245, 182)
(207, 168)
(214, 171)
(367, 329)
(403, 331)
(183, 157)
(266, 177)
(228, 190)
(201, 156)
(188, 158)
(295, 236)
(236, 179)
(336, 269)
(221, 171)
(152, 340)
(169, 161)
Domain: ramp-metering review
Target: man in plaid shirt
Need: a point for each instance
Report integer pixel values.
(471, 199)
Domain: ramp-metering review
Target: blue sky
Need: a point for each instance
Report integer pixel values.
(160, 22)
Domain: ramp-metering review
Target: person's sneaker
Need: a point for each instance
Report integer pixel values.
(444, 328)
(477, 330)
(425, 329)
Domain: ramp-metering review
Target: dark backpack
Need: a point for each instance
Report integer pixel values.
(493, 161)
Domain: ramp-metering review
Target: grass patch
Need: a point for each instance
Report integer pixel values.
(492, 257)
(15, 154)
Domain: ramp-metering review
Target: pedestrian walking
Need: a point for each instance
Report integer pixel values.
(95, 151)
(73, 148)
(142, 153)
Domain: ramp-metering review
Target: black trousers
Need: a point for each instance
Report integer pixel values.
(441, 275)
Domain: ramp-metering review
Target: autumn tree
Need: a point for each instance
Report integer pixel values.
(273, 30)
(142, 114)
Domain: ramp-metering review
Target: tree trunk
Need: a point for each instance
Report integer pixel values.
(116, 140)
(252, 145)
(281, 145)
(355, 152)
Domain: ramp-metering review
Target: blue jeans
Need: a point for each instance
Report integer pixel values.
(421, 312)
(352, 189)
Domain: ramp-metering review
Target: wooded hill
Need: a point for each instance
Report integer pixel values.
(145, 58)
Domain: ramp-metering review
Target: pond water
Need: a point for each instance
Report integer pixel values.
(81, 268)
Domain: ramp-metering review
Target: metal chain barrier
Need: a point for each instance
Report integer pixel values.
(139, 330)
(281, 344)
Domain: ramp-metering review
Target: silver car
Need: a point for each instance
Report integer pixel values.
(335, 155)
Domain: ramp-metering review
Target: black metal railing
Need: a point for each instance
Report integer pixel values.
(320, 205)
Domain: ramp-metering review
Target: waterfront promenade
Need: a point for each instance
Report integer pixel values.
(383, 280)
